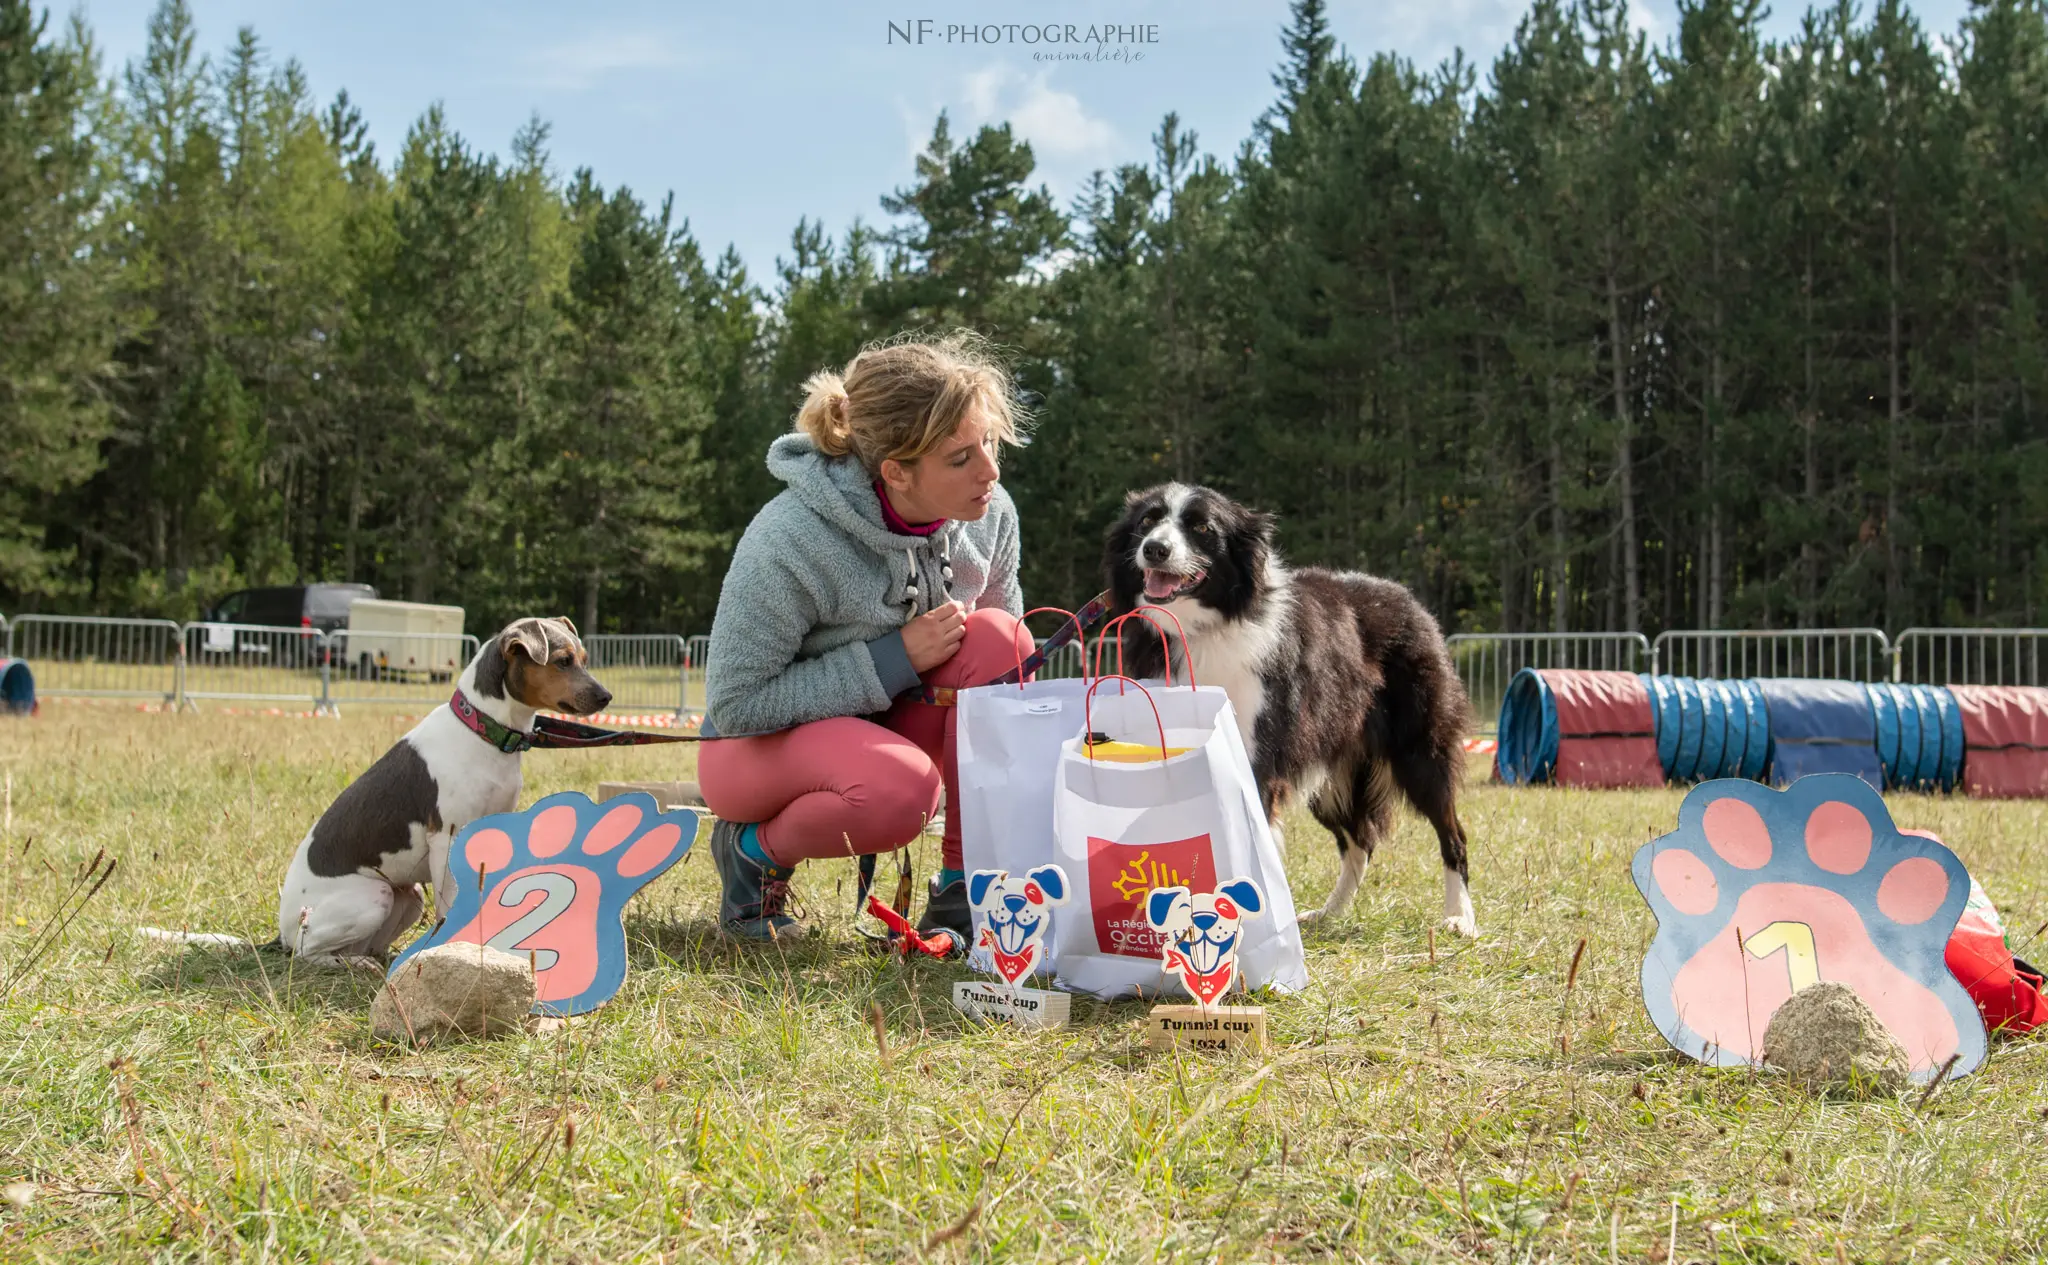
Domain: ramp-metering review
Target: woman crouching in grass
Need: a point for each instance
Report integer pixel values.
(889, 562)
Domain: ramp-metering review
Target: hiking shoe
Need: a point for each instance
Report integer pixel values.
(946, 909)
(752, 894)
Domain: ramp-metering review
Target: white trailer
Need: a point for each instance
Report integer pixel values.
(404, 640)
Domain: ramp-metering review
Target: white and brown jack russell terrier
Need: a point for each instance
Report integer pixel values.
(353, 885)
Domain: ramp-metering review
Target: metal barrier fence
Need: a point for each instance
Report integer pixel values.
(696, 655)
(644, 672)
(1971, 656)
(1840, 654)
(180, 664)
(254, 663)
(1486, 662)
(82, 656)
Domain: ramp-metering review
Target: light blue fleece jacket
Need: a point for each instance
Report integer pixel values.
(810, 617)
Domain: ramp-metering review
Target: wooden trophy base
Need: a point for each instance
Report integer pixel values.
(1214, 1030)
(667, 795)
(1007, 1003)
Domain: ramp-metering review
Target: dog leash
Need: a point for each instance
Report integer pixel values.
(903, 938)
(1083, 620)
(898, 936)
(556, 733)
(551, 731)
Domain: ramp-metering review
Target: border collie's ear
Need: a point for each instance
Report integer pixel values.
(1169, 909)
(528, 636)
(1133, 497)
(979, 882)
(1251, 548)
(1251, 902)
(1052, 880)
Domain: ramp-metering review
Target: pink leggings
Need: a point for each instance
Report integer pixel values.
(847, 786)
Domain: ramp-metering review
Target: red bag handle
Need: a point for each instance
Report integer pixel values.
(1039, 610)
(1088, 711)
(1148, 612)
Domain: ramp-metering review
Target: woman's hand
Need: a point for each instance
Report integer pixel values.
(934, 636)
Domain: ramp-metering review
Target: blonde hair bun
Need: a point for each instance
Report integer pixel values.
(899, 399)
(823, 416)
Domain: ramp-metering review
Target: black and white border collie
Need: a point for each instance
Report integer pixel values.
(1341, 681)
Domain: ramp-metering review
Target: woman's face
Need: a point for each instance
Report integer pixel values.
(955, 480)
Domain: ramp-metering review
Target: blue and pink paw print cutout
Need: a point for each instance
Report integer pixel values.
(556, 879)
(1759, 893)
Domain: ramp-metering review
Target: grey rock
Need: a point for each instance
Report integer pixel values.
(1826, 1037)
(462, 989)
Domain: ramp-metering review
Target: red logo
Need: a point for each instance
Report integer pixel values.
(1121, 875)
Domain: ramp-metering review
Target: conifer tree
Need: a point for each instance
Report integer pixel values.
(57, 318)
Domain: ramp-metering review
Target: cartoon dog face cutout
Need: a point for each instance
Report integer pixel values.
(1202, 932)
(1015, 915)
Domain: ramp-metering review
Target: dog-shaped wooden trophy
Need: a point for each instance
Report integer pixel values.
(1202, 932)
(1012, 916)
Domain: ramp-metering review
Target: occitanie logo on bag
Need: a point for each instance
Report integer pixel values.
(1121, 875)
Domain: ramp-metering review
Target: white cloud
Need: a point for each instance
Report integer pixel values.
(586, 60)
(1066, 140)
(1061, 131)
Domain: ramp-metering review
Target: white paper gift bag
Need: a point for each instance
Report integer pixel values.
(1008, 739)
(1125, 822)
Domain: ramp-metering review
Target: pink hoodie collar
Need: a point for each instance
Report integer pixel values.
(895, 522)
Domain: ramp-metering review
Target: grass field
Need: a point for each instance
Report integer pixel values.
(178, 1104)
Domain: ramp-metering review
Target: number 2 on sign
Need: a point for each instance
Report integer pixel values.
(558, 893)
(1802, 962)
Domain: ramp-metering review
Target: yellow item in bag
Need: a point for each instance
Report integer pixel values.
(1100, 747)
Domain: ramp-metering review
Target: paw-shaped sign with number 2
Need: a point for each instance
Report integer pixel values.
(555, 883)
(1759, 893)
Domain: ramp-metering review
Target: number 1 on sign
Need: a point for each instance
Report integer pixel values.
(1802, 961)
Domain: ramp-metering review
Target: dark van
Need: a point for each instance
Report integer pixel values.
(320, 607)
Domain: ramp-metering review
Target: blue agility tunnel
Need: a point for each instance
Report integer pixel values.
(1821, 727)
(17, 688)
(1623, 729)
(1709, 729)
(1919, 736)
(1527, 731)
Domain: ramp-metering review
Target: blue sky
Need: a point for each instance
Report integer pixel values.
(756, 112)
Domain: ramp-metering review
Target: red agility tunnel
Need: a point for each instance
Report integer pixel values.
(2005, 730)
(1578, 728)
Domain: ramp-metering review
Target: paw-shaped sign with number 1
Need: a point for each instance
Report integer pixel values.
(1759, 893)
(556, 879)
